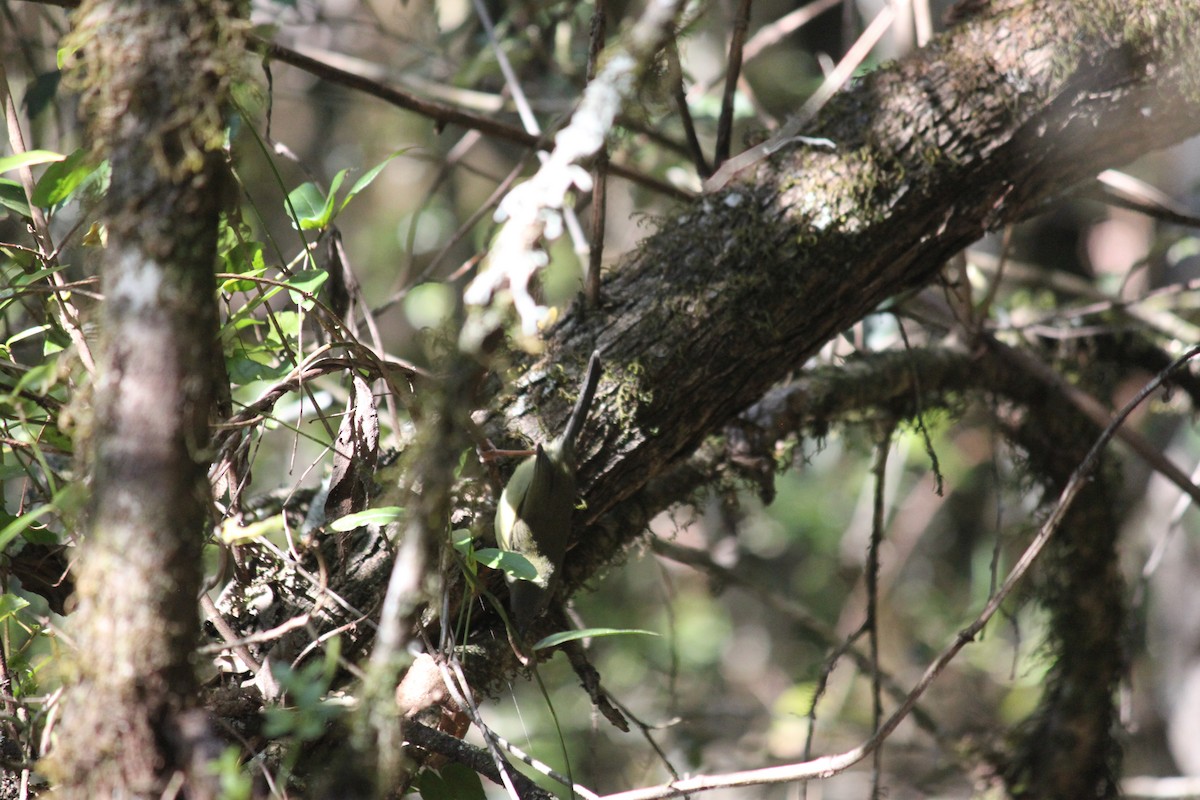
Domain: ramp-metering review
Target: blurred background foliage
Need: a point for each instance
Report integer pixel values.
(744, 648)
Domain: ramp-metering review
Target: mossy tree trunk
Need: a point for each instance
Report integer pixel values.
(152, 95)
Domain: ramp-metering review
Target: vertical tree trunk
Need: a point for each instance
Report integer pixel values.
(152, 85)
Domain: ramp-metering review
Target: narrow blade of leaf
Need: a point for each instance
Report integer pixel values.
(556, 639)
(28, 159)
(372, 516)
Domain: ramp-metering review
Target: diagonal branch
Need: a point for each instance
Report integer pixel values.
(977, 130)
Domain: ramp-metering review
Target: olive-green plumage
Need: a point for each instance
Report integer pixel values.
(535, 510)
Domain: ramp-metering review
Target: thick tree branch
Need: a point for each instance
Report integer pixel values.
(977, 130)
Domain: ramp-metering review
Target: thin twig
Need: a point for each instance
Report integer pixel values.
(439, 112)
(591, 283)
(833, 83)
(737, 39)
(685, 113)
(879, 470)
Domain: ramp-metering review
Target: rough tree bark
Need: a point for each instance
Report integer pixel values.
(981, 128)
(977, 130)
(152, 82)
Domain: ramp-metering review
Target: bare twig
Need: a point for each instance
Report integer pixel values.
(725, 122)
(439, 112)
(789, 132)
(879, 470)
(685, 114)
(591, 281)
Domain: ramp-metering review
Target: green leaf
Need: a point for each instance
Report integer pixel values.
(383, 515)
(308, 204)
(370, 176)
(28, 159)
(11, 604)
(244, 368)
(463, 782)
(232, 285)
(460, 540)
(233, 532)
(286, 325)
(63, 55)
(555, 639)
(245, 257)
(329, 200)
(308, 281)
(14, 529)
(12, 196)
(431, 786)
(62, 179)
(514, 564)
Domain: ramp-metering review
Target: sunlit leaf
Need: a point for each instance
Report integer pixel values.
(514, 564)
(14, 529)
(11, 604)
(233, 532)
(309, 282)
(28, 159)
(460, 540)
(62, 179)
(308, 204)
(556, 639)
(383, 515)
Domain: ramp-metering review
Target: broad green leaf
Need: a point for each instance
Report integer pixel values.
(371, 516)
(514, 564)
(62, 179)
(243, 369)
(12, 196)
(233, 532)
(306, 283)
(231, 285)
(308, 204)
(431, 786)
(44, 536)
(460, 540)
(463, 782)
(244, 257)
(285, 324)
(555, 639)
(28, 159)
(334, 185)
(11, 604)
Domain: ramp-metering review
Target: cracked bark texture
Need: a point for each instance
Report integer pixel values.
(979, 129)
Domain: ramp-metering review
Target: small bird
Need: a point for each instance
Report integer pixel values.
(534, 514)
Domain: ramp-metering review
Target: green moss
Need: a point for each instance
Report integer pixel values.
(167, 64)
(631, 394)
